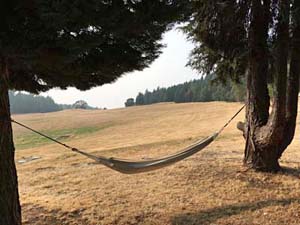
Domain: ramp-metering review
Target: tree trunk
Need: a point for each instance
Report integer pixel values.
(293, 80)
(10, 210)
(265, 132)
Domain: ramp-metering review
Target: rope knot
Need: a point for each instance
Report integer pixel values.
(74, 149)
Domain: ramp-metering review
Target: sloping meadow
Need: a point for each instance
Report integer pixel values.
(211, 187)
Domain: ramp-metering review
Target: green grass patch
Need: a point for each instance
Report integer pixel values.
(34, 140)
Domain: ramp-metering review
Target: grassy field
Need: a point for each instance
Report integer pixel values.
(210, 187)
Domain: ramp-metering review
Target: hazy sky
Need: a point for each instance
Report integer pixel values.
(167, 70)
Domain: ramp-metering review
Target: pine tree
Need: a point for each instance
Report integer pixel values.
(28, 103)
(139, 100)
(82, 44)
(258, 40)
(202, 90)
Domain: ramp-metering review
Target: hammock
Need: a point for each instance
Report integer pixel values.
(132, 167)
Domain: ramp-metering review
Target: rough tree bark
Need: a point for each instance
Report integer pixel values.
(268, 134)
(10, 210)
(293, 80)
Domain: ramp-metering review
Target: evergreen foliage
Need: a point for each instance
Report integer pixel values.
(71, 43)
(202, 90)
(129, 102)
(82, 44)
(28, 103)
(258, 40)
(80, 104)
(220, 31)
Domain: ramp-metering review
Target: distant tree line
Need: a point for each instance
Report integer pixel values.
(202, 90)
(29, 103)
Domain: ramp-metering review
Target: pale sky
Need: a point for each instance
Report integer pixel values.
(165, 71)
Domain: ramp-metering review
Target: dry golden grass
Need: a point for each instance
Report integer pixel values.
(210, 187)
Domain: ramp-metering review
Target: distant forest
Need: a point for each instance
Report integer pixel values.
(28, 103)
(202, 90)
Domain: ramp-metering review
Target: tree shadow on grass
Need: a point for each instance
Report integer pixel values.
(212, 215)
(289, 171)
(37, 215)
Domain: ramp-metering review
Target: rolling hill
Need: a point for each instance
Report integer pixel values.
(211, 187)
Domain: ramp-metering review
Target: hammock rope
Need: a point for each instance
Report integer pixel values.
(132, 167)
